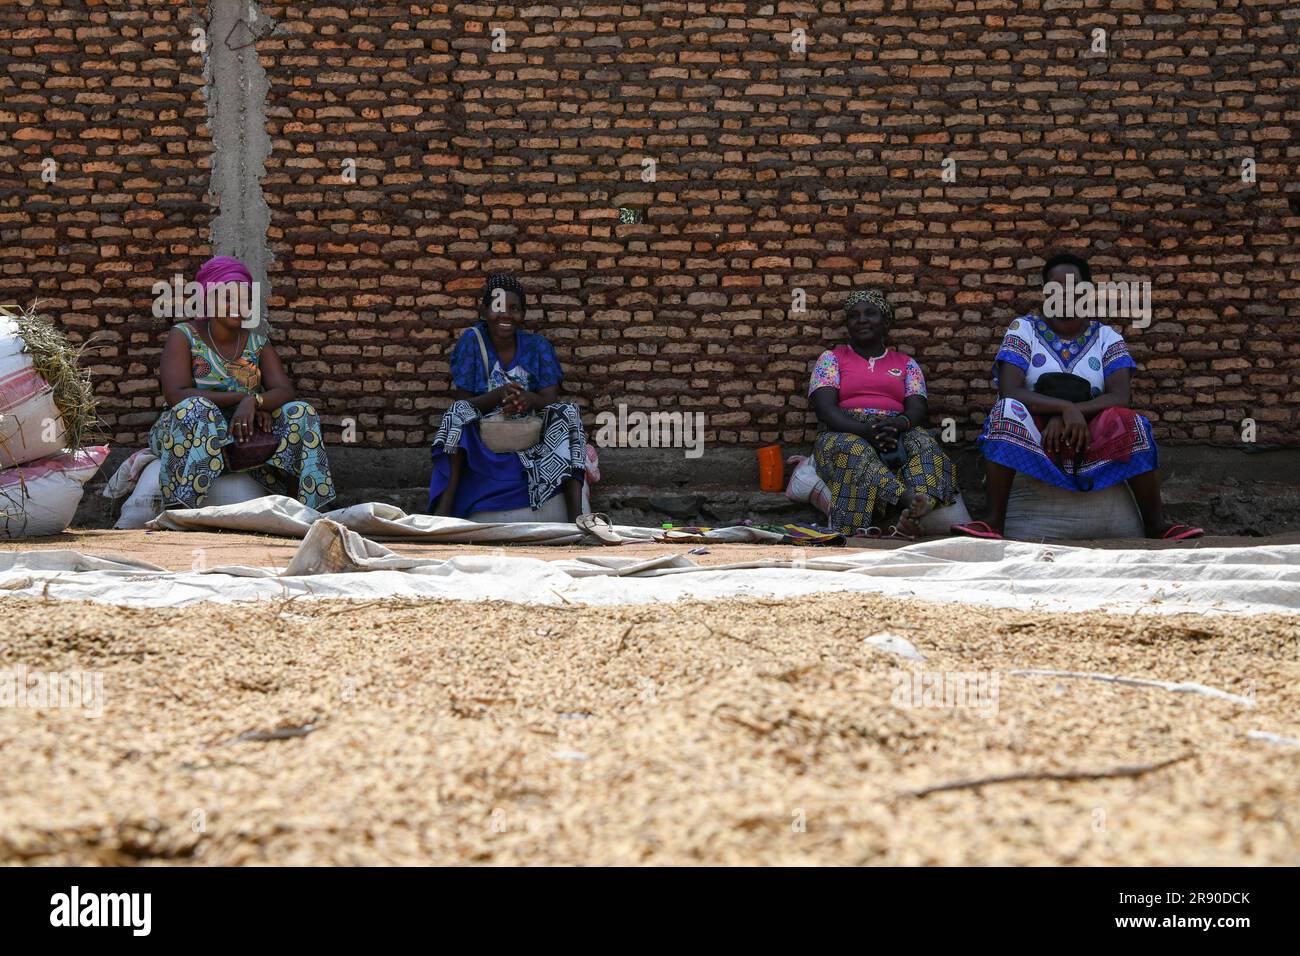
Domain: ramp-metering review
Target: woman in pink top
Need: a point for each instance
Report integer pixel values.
(882, 467)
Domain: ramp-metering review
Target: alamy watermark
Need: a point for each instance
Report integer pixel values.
(637, 429)
(41, 690)
(179, 299)
(1099, 300)
(946, 690)
(130, 910)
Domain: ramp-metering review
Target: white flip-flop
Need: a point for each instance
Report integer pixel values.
(599, 527)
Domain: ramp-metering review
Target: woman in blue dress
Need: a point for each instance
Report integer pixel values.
(519, 376)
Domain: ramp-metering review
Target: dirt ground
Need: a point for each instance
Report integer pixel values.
(730, 732)
(181, 550)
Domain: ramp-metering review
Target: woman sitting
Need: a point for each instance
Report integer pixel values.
(1063, 416)
(498, 367)
(880, 464)
(226, 391)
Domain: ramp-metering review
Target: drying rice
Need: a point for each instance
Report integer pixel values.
(728, 732)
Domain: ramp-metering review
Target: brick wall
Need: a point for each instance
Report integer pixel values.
(775, 170)
(113, 96)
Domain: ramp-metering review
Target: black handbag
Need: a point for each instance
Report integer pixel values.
(1064, 386)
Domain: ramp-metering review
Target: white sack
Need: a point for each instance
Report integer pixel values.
(1037, 511)
(552, 509)
(145, 502)
(41, 497)
(30, 424)
(30, 430)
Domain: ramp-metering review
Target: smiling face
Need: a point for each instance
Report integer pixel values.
(503, 312)
(866, 324)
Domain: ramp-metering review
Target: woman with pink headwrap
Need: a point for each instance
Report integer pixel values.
(226, 390)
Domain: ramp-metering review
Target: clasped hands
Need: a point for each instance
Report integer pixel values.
(1066, 432)
(883, 436)
(517, 400)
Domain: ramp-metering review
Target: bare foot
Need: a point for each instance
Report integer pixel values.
(909, 522)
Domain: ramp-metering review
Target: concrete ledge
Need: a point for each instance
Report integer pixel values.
(1233, 490)
(738, 467)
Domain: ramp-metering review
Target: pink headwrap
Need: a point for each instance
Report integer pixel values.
(222, 269)
(219, 270)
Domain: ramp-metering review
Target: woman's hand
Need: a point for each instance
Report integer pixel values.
(1076, 429)
(883, 436)
(519, 401)
(241, 423)
(262, 420)
(1053, 435)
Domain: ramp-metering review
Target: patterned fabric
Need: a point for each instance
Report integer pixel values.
(189, 438)
(535, 364)
(862, 487)
(793, 533)
(211, 371)
(561, 453)
(1012, 437)
(1032, 346)
(896, 376)
(874, 298)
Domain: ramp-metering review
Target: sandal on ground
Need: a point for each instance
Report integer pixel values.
(894, 531)
(869, 532)
(1181, 532)
(599, 527)
(976, 529)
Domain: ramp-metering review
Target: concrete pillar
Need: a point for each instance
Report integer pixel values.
(236, 88)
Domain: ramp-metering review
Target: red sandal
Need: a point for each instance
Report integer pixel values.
(1181, 532)
(977, 529)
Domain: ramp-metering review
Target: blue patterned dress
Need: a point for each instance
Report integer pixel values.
(506, 481)
(189, 438)
(1011, 435)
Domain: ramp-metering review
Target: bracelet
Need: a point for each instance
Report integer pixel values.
(257, 397)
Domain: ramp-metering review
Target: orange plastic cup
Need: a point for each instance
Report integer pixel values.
(771, 469)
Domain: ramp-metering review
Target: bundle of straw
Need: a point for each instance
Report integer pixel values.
(58, 361)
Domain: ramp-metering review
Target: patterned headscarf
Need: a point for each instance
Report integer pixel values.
(871, 297)
(507, 283)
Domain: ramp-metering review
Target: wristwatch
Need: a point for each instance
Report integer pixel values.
(257, 397)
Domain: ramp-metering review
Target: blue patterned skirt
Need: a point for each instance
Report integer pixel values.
(1011, 438)
(190, 439)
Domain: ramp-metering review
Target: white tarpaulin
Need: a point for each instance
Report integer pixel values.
(335, 561)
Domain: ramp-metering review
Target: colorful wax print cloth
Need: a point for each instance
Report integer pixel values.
(190, 439)
(862, 486)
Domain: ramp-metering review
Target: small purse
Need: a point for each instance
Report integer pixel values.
(1064, 386)
(499, 433)
(257, 450)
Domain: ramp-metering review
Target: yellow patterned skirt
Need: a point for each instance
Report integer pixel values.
(863, 488)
